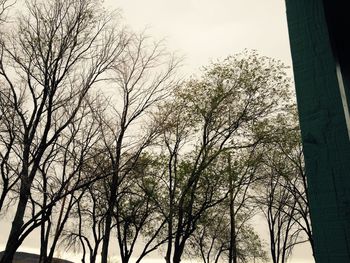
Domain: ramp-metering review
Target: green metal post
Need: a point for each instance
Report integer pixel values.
(322, 89)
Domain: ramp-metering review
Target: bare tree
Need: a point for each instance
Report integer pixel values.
(290, 146)
(141, 79)
(7, 125)
(284, 192)
(9, 162)
(86, 225)
(282, 231)
(58, 51)
(75, 150)
(5, 5)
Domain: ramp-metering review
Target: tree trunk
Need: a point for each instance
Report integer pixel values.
(45, 231)
(60, 226)
(93, 256)
(126, 259)
(170, 242)
(232, 258)
(13, 241)
(178, 251)
(112, 199)
(4, 192)
(233, 244)
(105, 244)
(107, 232)
(177, 256)
(170, 231)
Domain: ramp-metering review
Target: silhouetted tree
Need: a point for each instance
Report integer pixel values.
(142, 78)
(56, 53)
(224, 232)
(283, 194)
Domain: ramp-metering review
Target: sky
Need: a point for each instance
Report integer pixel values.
(203, 31)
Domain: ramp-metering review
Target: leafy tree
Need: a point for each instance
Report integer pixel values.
(137, 214)
(220, 111)
(224, 232)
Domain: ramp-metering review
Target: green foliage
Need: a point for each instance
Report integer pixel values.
(210, 130)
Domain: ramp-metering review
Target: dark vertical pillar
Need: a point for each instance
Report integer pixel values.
(318, 31)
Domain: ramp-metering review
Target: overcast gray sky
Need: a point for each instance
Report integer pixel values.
(205, 30)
